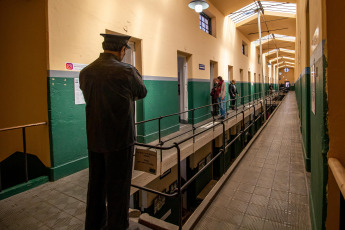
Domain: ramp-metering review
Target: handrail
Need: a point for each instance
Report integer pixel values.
(338, 172)
(23, 126)
(174, 114)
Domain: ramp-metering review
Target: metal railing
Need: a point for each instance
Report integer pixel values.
(22, 127)
(181, 188)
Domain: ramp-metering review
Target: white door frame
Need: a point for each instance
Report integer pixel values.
(183, 97)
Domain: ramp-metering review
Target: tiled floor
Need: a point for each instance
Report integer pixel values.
(268, 189)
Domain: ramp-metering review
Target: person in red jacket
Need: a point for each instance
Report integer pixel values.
(214, 96)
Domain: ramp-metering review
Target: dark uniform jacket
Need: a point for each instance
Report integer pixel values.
(232, 90)
(110, 88)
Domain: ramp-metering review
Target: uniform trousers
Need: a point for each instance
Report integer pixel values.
(109, 190)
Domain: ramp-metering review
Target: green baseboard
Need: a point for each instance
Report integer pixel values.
(23, 187)
(68, 168)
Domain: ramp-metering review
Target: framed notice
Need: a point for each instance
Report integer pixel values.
(146, 161)
(312, 88)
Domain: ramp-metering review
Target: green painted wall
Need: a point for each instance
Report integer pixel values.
(305, 116)
(161, 100)
(319, 142)
(199, 95)
(246, 88)
(67, 124)
(314, 134)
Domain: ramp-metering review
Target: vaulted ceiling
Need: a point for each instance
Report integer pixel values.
(277, 19)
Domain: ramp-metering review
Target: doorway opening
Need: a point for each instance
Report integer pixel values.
(249, 86)
(182, 88)
(213, 72)
(213, 75)
(242, 85)
(230, 73)
(255, 85)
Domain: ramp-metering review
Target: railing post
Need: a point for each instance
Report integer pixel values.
(243, 105)
(226, 108)
(159, 137)
(193, 125)
(242, 142)
(159, 129)
(179, 185)
(223, 147)
(25, 155)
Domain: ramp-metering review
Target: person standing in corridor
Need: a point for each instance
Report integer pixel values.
(221, 98)
(110, 88)
(233, 92)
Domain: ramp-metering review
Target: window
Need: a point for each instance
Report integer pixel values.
(259, 59)
(205, 23)
(244, 48)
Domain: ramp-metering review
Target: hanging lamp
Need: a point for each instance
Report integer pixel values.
(198, 5)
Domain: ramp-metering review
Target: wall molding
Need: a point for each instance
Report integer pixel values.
(63, 73)
(158, 78)
(68, 168)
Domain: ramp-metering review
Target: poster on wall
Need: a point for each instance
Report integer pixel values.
(78, 94)
(312, 88)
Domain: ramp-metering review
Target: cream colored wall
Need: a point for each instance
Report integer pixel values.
(164, 27)
(302, 38)
(23, 77)
(289, 76)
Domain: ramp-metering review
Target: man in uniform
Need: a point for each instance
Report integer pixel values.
(110, 88)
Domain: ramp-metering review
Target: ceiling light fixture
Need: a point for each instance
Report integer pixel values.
(198, 5)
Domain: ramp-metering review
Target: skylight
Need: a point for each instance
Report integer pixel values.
(273, 36)
(249, 10)
(280, 49)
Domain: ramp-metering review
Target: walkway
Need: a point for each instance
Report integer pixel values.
(268, 189)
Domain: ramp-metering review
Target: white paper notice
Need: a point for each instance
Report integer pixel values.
(78, 94)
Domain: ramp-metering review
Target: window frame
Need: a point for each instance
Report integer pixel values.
(203, 16)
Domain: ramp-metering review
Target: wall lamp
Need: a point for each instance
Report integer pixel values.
(198, 5)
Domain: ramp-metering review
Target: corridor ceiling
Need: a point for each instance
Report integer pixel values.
(279, 19)
(229, 6)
